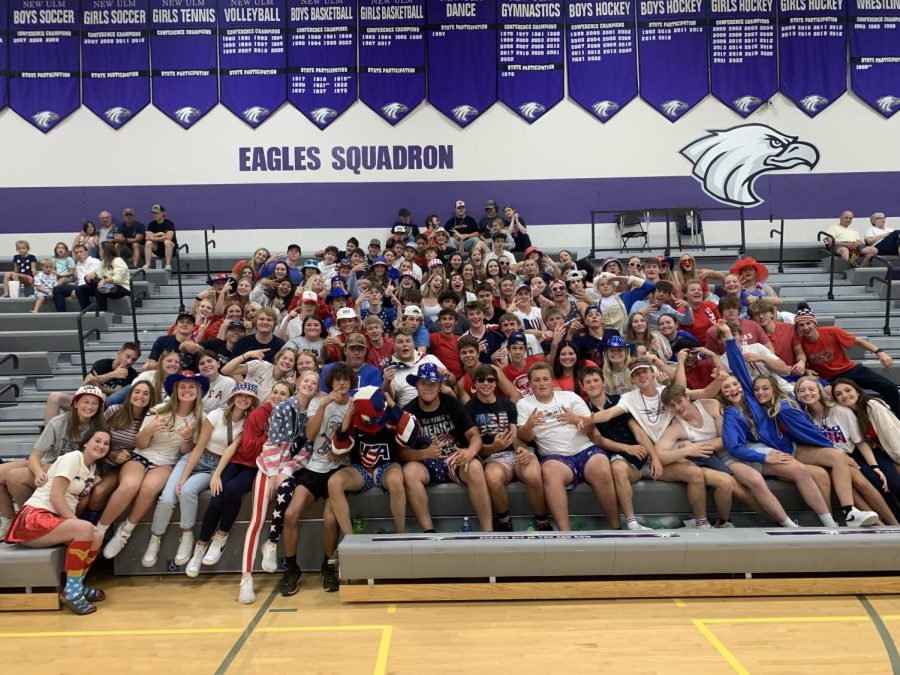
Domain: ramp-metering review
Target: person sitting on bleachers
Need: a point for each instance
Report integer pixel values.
(848, 242)
(291, 259)
(263, 338)
(184, 329)
(886, 241)
(750, 332)
(783, 338)
(753, 276)
(111, 281)
(86, 270)
(569, 456)
(64, 433)
(48, 518)
(825, 350)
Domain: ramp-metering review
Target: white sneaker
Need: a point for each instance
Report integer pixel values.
(247, 596)
(185, 548)
(115, 545)
(216, 548)
(152, 552)
(193, 566)
(5, 524)
(145, 267)
(168, 268)
(270, 557)
(635, 526)
(857, 518)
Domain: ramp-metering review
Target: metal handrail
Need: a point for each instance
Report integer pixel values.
(13, 357)
(12, 385)
(780, 233)
(82, 336)
(667, 212)
(207, 242)
(886, 280)
(832, 250)
(133, 300)
(187, 249)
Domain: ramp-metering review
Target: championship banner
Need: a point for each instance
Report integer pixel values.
(392, 56)
(672, 55)
(875, 53)
(43, 61)
(252, 60)
(530, 66)
(743, 64)
(321, 58)
(115, 58)
(812, 53)
(601, 58)
(462, 51)
(4, 44)
(183, 47)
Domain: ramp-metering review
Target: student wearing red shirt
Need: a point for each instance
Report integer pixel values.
(516, 370)
(751, 332)
(468, 349)
(443, 343)
(785, 342)
(705, 312)
(379, 349)
(824, 348)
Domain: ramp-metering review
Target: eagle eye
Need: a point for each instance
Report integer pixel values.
(776, 143)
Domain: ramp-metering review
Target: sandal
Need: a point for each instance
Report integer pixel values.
(94, 594)
(77, 604)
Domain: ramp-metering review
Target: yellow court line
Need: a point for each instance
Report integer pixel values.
(721, 648)
(679, 602)
(129, 632)
(315, 629)
(789, 619)
(384, 646)
(392, 609)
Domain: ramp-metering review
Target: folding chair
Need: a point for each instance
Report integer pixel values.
(633, 225)
(688, 224)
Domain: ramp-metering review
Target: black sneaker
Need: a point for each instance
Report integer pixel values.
(545, 527)
(500, 526)
(330, 581)
(290, 582)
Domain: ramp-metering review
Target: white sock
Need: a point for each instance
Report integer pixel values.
(128, 527)
(787, 522)
(827, 519)
(101, 528)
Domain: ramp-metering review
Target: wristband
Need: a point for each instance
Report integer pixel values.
(874, 466)
(878, 351)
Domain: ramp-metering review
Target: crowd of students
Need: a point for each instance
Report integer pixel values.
(427, 359)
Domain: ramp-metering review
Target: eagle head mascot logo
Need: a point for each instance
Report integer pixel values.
(464, 113)
(186, 115)
(812, 103)
(746, 104)
(255, 114)
(322, 115)
(394, 111)
(727, 162)
(887, 104)
(117, 115)
(45, 119)
(674, 107)
(532, 110)
(605, 109)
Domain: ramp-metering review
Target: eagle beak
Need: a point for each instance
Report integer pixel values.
(795, 154)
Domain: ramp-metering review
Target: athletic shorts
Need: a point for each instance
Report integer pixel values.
(106, 468)
(711, 462)
(159, 249)
(636, 462)
(505, 457)
(577, 463)
(759, 447)
(316, 483)
(32, 523)
(372, 478)
(439, 472)
(147, 464)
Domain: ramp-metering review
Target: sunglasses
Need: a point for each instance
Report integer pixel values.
(492, 380)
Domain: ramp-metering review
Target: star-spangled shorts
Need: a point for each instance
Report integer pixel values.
(373, 478)
(576, 463)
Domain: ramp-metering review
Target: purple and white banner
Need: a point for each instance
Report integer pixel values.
(530, 66)
(462, 48)
(812, 53)
(321, 58)
(743, 66)
(392, 56)
(4, 54)
(252, 58)
(875, 53)
(43, 61)
(183, 45)
(672, 44)
(601, 58)
(115, 58)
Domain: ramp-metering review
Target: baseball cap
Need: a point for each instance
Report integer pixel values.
(375, 242)
(157, 208)
(309, 296)
(435, 262)
(346, 313)
(524, 288)
(412, 310)
(354, 339)
(572, 275)
(516, 337)
(128, 212)
(402, 213)
(532, 249)
(398, 229)
(490, 204)
(638, 364)
(379, 261)
(185, 315)
(88, 390)
(459, 203)
(235, 323)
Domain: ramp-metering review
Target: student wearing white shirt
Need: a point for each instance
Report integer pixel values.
(86, 269)
(550, 419)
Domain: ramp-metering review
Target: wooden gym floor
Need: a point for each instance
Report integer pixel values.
(175, 625)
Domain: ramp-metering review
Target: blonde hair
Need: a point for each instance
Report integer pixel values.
(778, 397)
(22, 241)
(610, 375)
(169, 408)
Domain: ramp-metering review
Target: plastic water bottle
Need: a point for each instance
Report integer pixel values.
(359, 525)
(531, 526)
(467, 525)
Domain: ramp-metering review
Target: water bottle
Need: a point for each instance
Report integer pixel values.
(359, 525)
(466, 526)
(531, 526)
